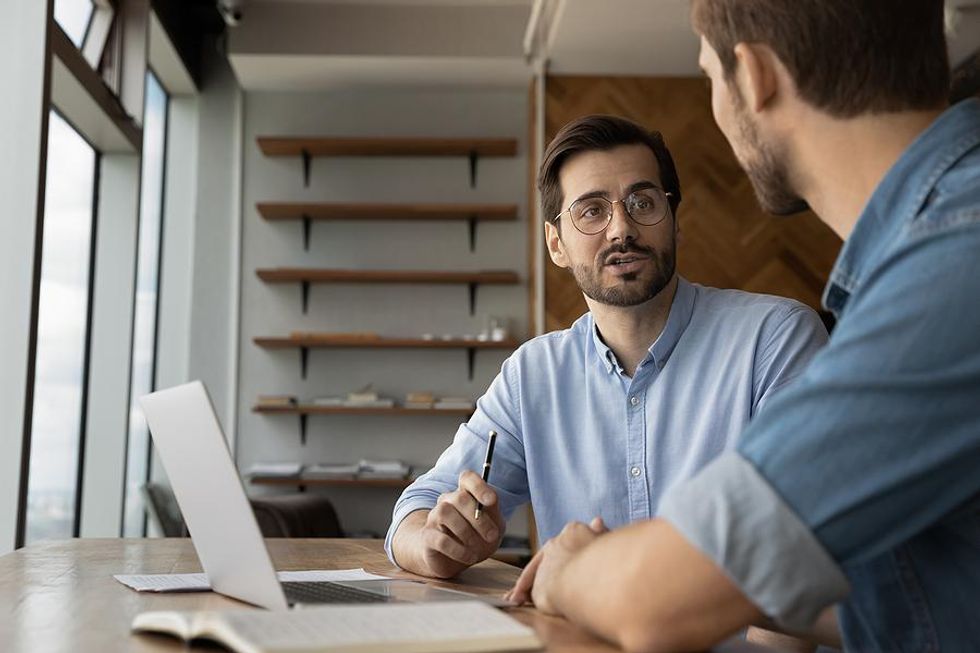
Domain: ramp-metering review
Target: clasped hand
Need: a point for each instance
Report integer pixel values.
(537, 582)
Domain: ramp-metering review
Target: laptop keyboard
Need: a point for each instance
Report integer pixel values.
(327, 592)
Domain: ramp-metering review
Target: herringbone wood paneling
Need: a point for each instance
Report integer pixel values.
(726, 240)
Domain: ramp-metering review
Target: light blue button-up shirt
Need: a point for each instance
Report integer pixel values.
(863, 479)
(579, 438)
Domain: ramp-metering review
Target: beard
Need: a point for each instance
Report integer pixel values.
(766, 168)
(632, 289)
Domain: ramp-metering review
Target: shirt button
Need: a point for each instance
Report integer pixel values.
(634, 400)
(634, 471)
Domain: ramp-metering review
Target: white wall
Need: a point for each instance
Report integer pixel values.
(22, 48)
(388, 310)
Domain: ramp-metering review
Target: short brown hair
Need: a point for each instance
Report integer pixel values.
(600, 132)
(847, 57)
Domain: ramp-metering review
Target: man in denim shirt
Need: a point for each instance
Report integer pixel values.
(861, 483)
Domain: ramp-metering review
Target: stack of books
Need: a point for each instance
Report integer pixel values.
(454, 403)
(383, 469)
(274, 470)
(419, 400)
(327, 401)
(277, 401)
(368, 398)
(332, 471)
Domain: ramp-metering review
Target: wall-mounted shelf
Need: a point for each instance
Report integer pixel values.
(303, 483)
(307, 212)
(307, 276)
(308, 147)
(340, 340)
(305, 410)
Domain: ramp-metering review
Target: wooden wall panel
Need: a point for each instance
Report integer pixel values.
(726, 240)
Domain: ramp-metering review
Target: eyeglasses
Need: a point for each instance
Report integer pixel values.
(591, 215)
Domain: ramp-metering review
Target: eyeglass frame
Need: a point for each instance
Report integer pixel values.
(612, 209)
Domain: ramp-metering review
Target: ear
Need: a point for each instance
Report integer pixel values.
(756, 74)
(556, 248)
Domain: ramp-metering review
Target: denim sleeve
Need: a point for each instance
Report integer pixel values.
(499, 410)
(878, 440)
(786, 352)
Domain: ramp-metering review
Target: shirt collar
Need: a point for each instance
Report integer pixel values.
(679, 317)
(900, 196)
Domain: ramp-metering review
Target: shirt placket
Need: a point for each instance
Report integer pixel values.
(636, 468)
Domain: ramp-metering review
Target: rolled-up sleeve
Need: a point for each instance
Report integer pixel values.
(875, 443)
(733, 516)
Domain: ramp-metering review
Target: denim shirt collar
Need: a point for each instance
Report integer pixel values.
(679, 317)
(901, 195)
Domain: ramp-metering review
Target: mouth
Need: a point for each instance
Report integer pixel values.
(626, 263)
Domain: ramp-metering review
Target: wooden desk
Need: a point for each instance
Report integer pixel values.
(60, 596)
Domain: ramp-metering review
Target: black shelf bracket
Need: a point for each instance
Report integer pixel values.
(302, 428)
(306, 166)
(471, 360)
(473, 286)
(474, 157)
(305, 292)
(472, 222)
(304, 358)
(307, 227)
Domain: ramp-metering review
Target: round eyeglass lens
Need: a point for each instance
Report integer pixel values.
(647, 206)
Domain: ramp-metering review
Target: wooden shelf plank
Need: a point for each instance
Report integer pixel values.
(345, 340)
(336, 482)
(304, 409)
(334, 211)
(371, 146)
(320, 275)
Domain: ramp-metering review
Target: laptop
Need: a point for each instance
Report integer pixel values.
(209, 491)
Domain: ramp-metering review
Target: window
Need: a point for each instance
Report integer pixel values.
(62, 334)
(74, 16)
(145, 310)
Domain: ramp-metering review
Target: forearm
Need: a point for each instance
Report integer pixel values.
(646, 588)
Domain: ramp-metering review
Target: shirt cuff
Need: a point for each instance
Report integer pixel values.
(401, 513)
(732, 514)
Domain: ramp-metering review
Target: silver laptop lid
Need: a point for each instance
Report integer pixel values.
(209, 492)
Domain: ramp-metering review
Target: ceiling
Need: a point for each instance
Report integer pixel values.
(322, 44)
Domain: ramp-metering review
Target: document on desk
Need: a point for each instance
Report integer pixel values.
(199, 582)
(464, 627)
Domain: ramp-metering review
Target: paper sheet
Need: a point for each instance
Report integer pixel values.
(199, 582)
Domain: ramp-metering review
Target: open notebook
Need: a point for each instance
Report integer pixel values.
(466, 627)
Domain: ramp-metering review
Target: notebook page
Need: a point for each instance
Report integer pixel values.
(464, 624)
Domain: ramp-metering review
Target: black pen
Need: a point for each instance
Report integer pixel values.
(486, 469)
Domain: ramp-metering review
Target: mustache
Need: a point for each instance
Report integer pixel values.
(625, 248)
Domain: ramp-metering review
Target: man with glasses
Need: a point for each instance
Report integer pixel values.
(646, 388)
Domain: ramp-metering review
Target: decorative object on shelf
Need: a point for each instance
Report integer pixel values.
(308, 212)
(307, 276)
(308, 147)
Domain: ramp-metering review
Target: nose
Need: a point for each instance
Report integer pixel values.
(621, 226)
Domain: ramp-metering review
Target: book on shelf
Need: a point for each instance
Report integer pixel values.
(464, 627)
(383, 469)
(366, 397)
(327, 401)
(419, 400)
(331, 471)
(453, 403)
(277, 401)
(274, 470)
